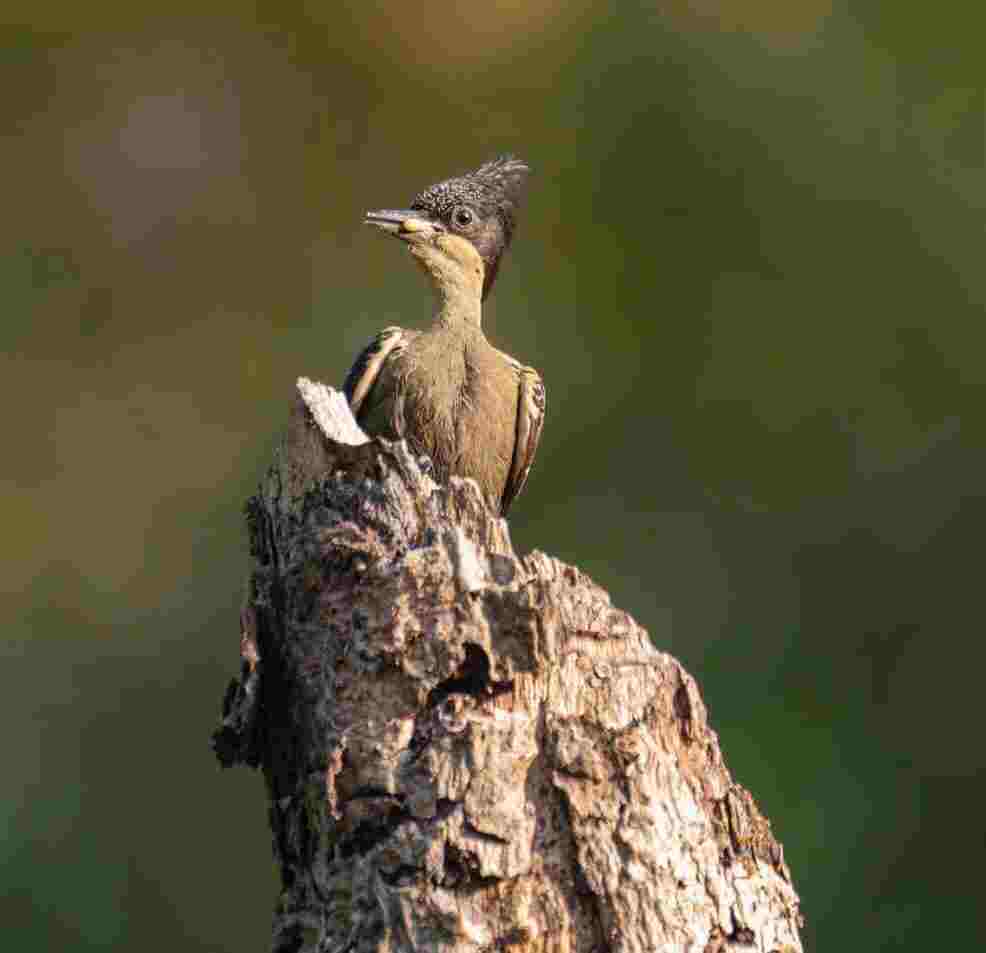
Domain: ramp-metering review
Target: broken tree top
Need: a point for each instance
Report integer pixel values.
(465, 750)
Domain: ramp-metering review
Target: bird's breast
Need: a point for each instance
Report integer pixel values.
(457, 404)
(487, 422)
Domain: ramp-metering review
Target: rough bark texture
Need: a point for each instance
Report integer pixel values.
(469, 751)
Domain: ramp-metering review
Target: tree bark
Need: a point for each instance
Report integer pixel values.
(465, 750)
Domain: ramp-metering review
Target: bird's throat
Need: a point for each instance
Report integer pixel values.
(459, 310)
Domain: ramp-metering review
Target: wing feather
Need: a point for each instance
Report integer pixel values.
(364, 372)
(530, 420)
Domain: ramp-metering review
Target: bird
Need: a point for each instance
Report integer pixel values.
(474, 410)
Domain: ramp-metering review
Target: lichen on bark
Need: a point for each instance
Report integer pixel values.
(468, 750)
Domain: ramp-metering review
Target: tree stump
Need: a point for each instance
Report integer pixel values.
(465, 750)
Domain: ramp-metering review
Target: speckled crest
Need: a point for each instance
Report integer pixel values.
(496, 187)
(494, 192)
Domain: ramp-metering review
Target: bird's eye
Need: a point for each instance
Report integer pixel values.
(462, 217)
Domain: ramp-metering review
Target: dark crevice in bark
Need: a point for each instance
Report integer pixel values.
(368, 793)
(474, 831)
(471, 678)
(402, 876)
(369, 833)
(740, 935)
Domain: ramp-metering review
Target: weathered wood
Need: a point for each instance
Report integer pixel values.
(465, 750)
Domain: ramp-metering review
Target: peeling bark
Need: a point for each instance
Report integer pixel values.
(465, 750)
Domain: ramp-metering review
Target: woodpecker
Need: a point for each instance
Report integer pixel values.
(474, 410)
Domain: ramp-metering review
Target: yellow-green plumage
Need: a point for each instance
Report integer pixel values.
(475, 411)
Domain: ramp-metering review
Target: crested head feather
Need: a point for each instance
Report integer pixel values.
(494, 192)
(506, 174)
(496, 187)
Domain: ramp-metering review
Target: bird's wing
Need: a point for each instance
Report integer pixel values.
(363, 374)
(530, 419)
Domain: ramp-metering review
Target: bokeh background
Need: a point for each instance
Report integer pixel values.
(751, 272)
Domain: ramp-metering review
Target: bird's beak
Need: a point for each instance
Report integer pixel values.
(405, 224)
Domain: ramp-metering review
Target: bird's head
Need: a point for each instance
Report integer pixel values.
(462, 223)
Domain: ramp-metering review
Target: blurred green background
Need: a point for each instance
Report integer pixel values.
(751, 273)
